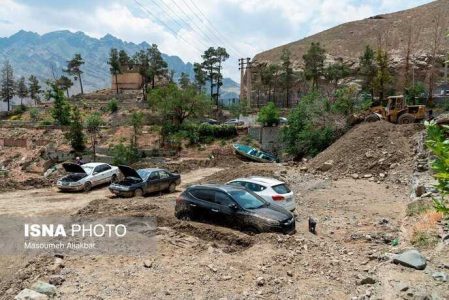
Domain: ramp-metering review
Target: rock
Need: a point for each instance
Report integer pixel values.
(44, 288)
(355, 176)
(212, 268)
(367, 175)
(303, 169)
(290, 273)
(382, 175)
(56, 279)
(28, 294)
(402, 287)
(420, 190)
(260, 281)
(440, 276)
(411, 259)
(147, 263)
(327, 166)
(226, 277)
(367, 280)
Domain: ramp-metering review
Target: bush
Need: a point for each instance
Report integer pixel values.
(204, 133)
(268, 115)
(34, 114)
(312, 126)
(124, 154)
(20, 109)
(113, 105)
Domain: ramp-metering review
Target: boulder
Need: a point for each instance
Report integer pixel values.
(56, 279)
(28, 294)
(44, 288)
(327, 166)
(440, 276)
(412, 259)
(420, 190)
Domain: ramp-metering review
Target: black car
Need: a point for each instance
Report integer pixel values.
(143, 181)
(233, 206)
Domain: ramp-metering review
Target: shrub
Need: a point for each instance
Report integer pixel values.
(20, 109)
(268, 115)
(124, 154)
(113, 105)
(34, 114)
(204, 133)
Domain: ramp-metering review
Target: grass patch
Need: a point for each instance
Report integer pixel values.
(424, 239)
(424, 234)
(419, 207)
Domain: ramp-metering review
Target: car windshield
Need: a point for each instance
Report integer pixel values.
(281, 189)
(143, 174)
(87, 169)
(247, 200)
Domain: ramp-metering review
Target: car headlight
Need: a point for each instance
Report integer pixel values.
(74, 183)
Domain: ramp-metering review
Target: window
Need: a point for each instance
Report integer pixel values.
(281, 189)
(98, 169)
(223, 199)
(164, 175)
(154, 176)
(247, 200)
(203, 194)
(254, 187)
(106, 168)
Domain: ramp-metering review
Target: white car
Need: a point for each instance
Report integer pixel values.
(270, 189)
(84, 177)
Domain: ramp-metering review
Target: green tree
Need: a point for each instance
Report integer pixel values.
(213, 59)
(184, 80)
(158, 66)
(76, 134)
(64, 83)
(310, 128)
(34, 88)
(7, 84)
(336, 71)
(287, 74)
(136, 121)
(93, 125)
(368, 70)
(267, 77)
(268, 115)
(123, 59)
(383, 77)
(314, 63)
(414, 92)
(113, 105)
(240, 108)
(141, 60)
(22, 89)
(179, 104)
(348, 101)
(200, 76)
(114, 66)
(74, 69)
(61, 107)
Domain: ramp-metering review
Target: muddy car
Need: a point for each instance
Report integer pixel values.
(233, 206)
(85, 177)
(144, 181)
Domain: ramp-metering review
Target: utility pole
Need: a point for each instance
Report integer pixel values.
(245, 66)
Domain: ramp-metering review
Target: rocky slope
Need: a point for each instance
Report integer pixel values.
(347, 41)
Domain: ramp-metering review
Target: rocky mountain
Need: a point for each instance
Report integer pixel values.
(46, 55)
(347, 41)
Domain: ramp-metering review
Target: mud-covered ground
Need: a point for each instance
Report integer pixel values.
(357, 220)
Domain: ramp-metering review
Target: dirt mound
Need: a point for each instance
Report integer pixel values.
(10, 185)
(370, 148)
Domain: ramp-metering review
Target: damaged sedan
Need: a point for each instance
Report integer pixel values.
(85, 177)
(144, 181)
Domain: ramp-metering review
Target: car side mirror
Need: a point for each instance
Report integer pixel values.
(233, 206)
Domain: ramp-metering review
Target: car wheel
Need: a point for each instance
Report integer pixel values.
(114, 178)
(184, 216)
(138, 193)
(251, 230)
(172, 187)
(87, 187)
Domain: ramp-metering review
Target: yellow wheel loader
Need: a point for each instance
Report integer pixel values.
(398, 112)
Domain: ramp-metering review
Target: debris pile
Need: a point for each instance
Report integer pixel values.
(370, 150)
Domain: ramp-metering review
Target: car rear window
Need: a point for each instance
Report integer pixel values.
(203, 194)
(281, 189)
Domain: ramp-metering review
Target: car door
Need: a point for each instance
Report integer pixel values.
(96, 176)
(106, 173)
(153, 182)
(226, 214)
(165, 180)
(204, 204)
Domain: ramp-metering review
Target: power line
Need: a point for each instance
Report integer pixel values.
(200, 31)
(215, 31)
(174, 19)
(148, 12)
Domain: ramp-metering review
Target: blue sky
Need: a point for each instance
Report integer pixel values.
(244, 27)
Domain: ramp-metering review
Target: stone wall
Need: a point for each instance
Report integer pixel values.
(268, 137)
(127, 81)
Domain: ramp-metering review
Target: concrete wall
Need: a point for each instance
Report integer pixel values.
(127, 81)
(268, 137)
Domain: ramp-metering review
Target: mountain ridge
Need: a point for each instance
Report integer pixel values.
(45, 55)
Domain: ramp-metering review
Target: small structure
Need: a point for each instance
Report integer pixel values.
(129, 79)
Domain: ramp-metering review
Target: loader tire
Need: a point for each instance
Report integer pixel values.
(372, 118)
(406, 119)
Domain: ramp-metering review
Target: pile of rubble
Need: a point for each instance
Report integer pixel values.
(370, 150)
